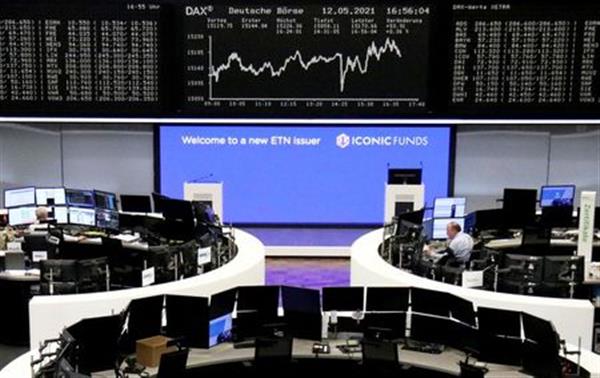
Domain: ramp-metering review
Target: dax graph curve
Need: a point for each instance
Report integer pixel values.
(280, 59)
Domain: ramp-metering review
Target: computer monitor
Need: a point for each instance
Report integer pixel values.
(414, 217)
(518, 207)
(300, 299)
(58, 271)
(499, 322)
(158, 199)
(97, 342)
(557, 217)
(536, 240)
(50, 196)
(107, 219)
(80, 198)
(136, 204)
(524, 268)
(92, 274)
(264, 299)
(21, 216)
(222, 303)
(302, 312)
(563, 269)
(105, 200)
(401, 176)
(430, 302)
(440, 224)
(462, 310)
(541, 347)
(19, 197)
(557, 195)
(145, 319)
(60, 214)
(187, 317)
(387, 299)
(82, 216)
(449, 207)
(219, 330)
(178, 210)
(343, 298)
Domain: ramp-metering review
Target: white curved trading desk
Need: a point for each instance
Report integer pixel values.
(572, 318)
(48, 315)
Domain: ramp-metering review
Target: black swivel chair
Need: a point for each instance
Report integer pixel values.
(173, 364)
(380, 358)
(273, 353)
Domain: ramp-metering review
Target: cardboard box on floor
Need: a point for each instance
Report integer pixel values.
(148, 351)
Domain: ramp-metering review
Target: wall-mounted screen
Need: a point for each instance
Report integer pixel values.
(302, 175)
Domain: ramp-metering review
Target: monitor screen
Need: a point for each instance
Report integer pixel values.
(105, 200)
(82, 216)
(343, 299)
(449, 207)
(80, 198)
(60, 214)
(439, 227)
(19, 197)
(50, 196)
(136, 204)
(302, 175)
(19, 216)
(518, 206)
(559, 195)
(219, 330)
(107, 219)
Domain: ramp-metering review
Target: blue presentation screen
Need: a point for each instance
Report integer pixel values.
(302, 175)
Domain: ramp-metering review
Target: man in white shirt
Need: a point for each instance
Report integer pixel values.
(459, 248)
(460, 244)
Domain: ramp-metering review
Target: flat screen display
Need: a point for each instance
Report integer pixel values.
(562, 195)
(82, 216)
(302, 175)
(50, 196)
(19, 197)
(219, 330)
(449, 207)
(21, 216)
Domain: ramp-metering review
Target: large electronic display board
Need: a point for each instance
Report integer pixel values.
(311, 174)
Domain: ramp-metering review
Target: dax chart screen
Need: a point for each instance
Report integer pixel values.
(350, 59)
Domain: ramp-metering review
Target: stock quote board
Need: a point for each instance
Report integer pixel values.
(293, 58)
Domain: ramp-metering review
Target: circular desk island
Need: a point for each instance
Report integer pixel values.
(48, 315)
(573, 318)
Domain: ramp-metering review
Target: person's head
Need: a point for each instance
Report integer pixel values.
(452, 229)
(41, 214)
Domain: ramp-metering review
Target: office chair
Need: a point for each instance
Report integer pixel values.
(173, 364)
(380, 358)
(273, 353)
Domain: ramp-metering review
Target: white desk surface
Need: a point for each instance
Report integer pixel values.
(31, 275)
(516, 242)
(445, 362)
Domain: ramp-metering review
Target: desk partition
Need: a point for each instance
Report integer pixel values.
(573, 319)
(50, 314)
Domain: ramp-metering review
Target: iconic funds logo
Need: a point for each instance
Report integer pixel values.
(342, 140)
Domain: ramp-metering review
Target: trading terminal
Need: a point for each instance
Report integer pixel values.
(293, 188)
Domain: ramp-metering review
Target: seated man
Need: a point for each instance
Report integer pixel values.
(42, 220)
(460, 246)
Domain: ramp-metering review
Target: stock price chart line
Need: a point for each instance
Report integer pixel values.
(346, 65)
(259, 59)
